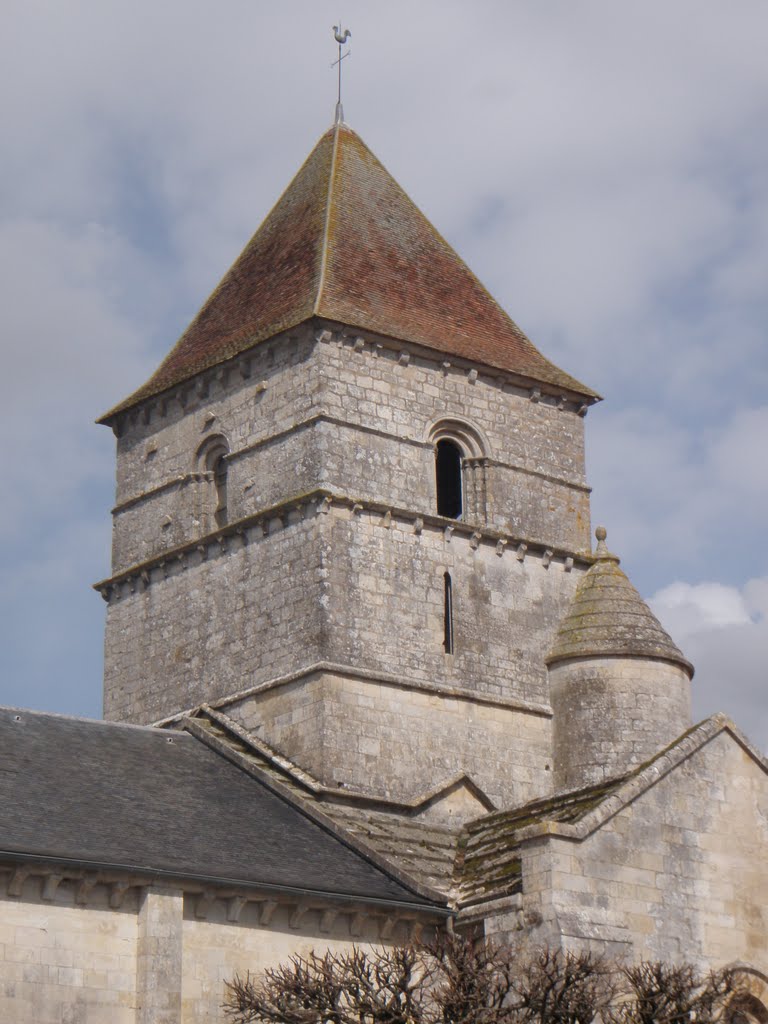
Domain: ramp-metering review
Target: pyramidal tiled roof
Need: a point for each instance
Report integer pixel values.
(345, 243)
(608, 617)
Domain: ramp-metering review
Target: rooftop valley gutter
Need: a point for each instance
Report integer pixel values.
(160, 873)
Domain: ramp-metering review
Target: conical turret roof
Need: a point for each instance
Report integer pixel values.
(345, 243)
(608, 617)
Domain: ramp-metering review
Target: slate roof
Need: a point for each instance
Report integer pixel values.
(345, 243)
(146, 799)
(608, 617)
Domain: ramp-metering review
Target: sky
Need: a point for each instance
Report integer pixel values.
(601, 166)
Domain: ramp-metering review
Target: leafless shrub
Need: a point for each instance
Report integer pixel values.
(662, 993)
(449, 981)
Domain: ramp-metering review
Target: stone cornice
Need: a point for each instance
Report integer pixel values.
(359, 342)
(396, 682)
(117, 881)
(321, 500)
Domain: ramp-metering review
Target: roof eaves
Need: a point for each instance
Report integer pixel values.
(147, 874)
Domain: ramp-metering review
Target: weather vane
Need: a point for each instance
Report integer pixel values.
(341, 36)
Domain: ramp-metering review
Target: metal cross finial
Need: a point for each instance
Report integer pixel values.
(341, 36)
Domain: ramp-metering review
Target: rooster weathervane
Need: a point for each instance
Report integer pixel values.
(341, 36)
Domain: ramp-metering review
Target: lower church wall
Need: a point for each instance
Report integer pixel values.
(215, 950)
(157, 959)
(679, 873)
(62, 962)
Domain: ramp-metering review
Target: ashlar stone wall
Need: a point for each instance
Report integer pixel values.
(383, 738)
(612, 714)
(678, 873)
(224, 617)
(61, 961)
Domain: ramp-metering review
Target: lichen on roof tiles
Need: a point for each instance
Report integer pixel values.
(608, 617)
(345, 243)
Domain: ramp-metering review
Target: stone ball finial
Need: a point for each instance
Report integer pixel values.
(601, 551)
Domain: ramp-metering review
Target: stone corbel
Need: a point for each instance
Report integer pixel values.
(474, 540)
(546, 558)
(235, 906)
(323, 335)
(500, 545)
(521, 550)
(117, 893)
(17, 880)
(298, 915)
(203, 904)
(404, 358)
(568, 564)
(356, 925)
(85, 888)
(50, 885)
(327, 920)
(267, 912)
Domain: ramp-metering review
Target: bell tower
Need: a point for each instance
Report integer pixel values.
(351, 508)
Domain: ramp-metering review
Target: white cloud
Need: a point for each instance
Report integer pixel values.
(723, 630)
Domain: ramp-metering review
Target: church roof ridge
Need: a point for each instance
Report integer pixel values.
(345, 243)
(608, 618)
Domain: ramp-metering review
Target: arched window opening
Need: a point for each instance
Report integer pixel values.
(219, 469)
(746, 1008)
(448, 614)
(448, 463)
(213, 460)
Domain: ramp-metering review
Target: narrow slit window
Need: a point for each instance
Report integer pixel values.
(448, 473)
(220, 483)
(448, 615)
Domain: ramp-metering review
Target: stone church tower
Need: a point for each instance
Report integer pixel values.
(352, 512)
(351, 504)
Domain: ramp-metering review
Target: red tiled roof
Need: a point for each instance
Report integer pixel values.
(345, 243)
